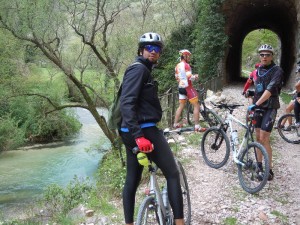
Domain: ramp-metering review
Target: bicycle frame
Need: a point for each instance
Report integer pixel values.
(228, 123)
(155, 191)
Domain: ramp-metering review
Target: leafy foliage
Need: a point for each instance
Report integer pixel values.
(11, 56)
(180, 39)
(24, 117)
(210, 38)
(205, 38)
(10, 134)
(111, 174)
(60, 201)
(251, 43)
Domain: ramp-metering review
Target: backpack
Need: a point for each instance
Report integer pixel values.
(114, 118)
(114, 113)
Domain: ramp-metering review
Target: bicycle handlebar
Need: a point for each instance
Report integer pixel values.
(230, 107)
(135, 150)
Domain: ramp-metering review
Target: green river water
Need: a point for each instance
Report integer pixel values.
(24, 173)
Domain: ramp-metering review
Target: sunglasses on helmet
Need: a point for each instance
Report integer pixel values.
(150, 48)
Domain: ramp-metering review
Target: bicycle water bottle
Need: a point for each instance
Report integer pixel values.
(235, 138)
(165, 197)
(142, 159)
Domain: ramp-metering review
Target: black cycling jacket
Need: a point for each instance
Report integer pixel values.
(270, 77)
(139, 101)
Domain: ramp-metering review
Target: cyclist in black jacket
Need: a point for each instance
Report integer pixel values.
(267, 89)
(141, 110)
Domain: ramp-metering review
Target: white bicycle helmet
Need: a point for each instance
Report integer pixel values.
(184, 52)
(266, 47)
(150, 38)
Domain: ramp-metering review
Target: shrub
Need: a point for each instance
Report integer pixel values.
(10, 134)
(59, 201)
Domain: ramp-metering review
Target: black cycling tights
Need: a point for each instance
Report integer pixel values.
(297, 111)
(163, 157)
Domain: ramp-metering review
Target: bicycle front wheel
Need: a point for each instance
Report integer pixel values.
(251, 178)
(287, 129)
(185, 195)
(215, 147)
(148, 212)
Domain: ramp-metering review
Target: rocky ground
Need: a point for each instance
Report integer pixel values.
(217, 197)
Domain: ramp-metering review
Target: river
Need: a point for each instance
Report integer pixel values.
(26, 172)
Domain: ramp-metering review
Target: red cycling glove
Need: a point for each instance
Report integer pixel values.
(144, 145)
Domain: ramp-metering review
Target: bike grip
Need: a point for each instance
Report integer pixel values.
(135, 150)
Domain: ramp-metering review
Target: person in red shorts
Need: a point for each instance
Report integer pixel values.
(184, 77)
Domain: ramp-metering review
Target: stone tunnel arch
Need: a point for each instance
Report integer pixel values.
(244, 16)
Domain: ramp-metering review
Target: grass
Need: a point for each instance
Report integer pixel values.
(281, 216)
(194, 138)
(285, 97)
(230, 221)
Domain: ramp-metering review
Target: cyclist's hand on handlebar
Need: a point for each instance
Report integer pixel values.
(252, 107)
(144, 144)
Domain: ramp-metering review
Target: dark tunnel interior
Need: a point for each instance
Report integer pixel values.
(278, 16)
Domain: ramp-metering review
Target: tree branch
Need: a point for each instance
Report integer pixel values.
(55, 106)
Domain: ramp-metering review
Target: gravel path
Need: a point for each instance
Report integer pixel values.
(217, 197)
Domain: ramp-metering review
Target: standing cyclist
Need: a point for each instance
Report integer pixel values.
(297, 98)
(251, 79)
(266, 97)
(141, 110)
(184, 77)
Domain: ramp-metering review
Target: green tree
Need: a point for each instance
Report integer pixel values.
(77, 36)
(47, 25)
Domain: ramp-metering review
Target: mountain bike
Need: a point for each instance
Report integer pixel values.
(208, 115)
(287, 129)
(215, 148)
(155, 207)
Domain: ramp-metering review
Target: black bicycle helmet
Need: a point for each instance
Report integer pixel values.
(150, 38)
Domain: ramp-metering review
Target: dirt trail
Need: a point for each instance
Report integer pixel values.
(217, 197)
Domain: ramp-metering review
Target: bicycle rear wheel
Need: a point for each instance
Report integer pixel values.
(185, 195)
(148, 212)
(287, 129)
(251, 178)
(209, 116)
(215, 147)
(190, 114)
(212, 118)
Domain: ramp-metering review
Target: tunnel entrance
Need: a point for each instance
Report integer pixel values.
(250, 57)
(245, 16)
